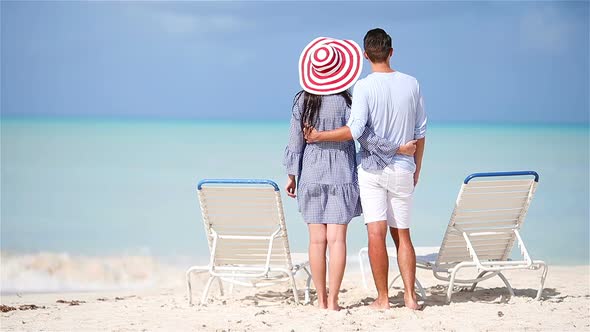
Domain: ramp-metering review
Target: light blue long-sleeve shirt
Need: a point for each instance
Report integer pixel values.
(390, 104)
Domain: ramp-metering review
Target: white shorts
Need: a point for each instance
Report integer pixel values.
(387, 195)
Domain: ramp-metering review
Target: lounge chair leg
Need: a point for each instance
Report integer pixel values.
(475, 283)
(220, 286)
(510, 290)
(420, 289)
(231, 285)
(394, 280)
(362, 266)
(307, 285)
(452, 283)
(206, 290)
(543, 276)
(188, 282)
(294, 288)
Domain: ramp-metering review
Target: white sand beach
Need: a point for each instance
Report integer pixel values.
(565, 306)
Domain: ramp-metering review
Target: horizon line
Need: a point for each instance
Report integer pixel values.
(188, 120)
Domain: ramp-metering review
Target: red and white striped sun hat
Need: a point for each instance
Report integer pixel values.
(328, 66)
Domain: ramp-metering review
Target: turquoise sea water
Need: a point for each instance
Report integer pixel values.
(110, 187)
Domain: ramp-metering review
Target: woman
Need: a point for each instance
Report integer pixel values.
(327, 192)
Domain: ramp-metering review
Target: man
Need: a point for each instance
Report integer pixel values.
(390, 103)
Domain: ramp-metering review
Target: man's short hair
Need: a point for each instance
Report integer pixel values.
(377, 45)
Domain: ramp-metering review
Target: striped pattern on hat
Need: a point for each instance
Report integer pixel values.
(329, 66)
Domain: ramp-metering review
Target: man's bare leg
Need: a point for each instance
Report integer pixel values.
(379, 262)
(406, 259)
(317, 261)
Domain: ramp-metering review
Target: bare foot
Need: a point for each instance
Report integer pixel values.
(411, 303)
(322, 300)
(334, 307)
(333, 304)
(322, 304)
(380, 304)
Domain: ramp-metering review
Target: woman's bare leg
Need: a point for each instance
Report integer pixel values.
(336, 236)
(317, 261)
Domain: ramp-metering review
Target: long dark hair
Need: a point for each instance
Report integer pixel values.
(312, 104)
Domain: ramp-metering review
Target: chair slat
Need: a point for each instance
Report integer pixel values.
(242, 232)
(485, 224)
(226, 245)
(496, 194)
(231, 209)
(228, 227)
(237, 198)
(500, 189)
(250, 255)
(252, 252)
(480, 251)
(248, 219)
(482, 203)
(461, 258)
(256, 254)
(488, 230)
(234, 190)
(499, 183)
(465, 219)
(505, 214)
(239, 204)
(454, 232)
(257, 262)
(276, 254)
(477, 239)
(480, 245)
(235, 222)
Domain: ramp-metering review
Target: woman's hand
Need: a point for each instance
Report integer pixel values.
(291, 187)
(408, 148)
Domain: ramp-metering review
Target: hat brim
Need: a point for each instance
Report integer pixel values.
(338, 81)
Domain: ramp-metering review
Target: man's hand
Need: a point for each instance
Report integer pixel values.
(408, 148)
(311, 135)
(291, 187)
(418, 158)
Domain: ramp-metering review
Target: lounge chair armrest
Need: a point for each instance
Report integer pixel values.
(422, 264)
(198, 268)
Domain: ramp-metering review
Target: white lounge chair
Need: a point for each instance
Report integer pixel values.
(485, 223)
(247, 236)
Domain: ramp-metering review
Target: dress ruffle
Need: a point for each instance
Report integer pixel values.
(328, 203)
(292, 161)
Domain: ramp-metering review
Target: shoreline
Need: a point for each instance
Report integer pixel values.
(60, 272)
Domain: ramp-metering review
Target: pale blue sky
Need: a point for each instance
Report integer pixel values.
(507, 62)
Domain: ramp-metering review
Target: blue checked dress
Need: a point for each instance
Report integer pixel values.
(327, 188)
